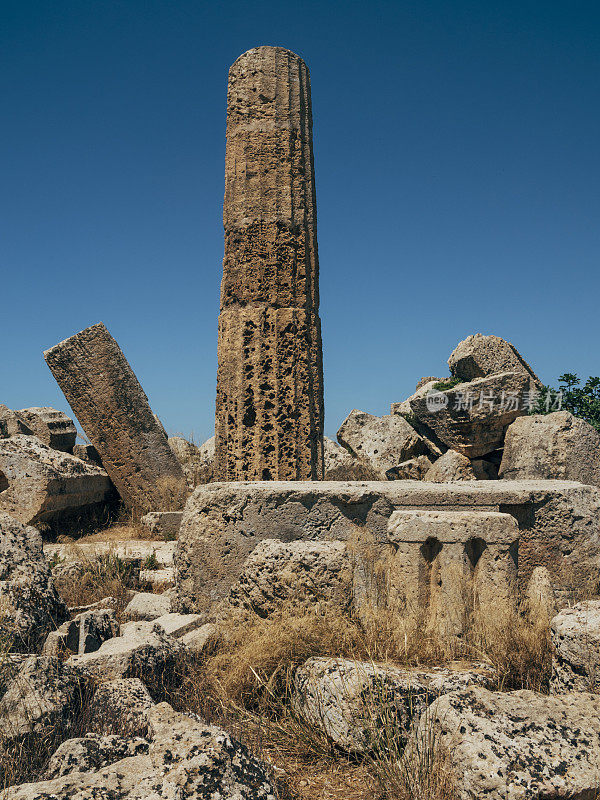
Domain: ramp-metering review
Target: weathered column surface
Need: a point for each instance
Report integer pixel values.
(114, 412)
(269, 414)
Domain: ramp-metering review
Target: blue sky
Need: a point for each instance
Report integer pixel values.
(456, 154)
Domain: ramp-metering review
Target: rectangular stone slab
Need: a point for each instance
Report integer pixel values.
(114, 412)
(559, 522)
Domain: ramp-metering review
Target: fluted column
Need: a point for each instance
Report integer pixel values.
(269, 415)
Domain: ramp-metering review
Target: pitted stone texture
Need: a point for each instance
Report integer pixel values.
(576, 648)
(557, 445)
(382, 442)
(42, 484)
(269, 418)
(476, 414)
(53, 427)
(559, 523)
(450, 467)
(29, 604)
(43, 698)
(186, 760)
(269, 400)
(347, 699)
(295, 573)
(120, 706)
(479, 356)
(113, 410)
(516, 745)
(423, 387)
(92, 752)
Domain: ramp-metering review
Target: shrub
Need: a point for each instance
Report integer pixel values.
(581, 401)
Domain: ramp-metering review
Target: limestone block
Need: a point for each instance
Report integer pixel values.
(479, 356)
(382, 442)
(576, 648)
(450, 467)
(556, 445)
(42, 484)
(348, 699)
(516, 744)
(163, 523)
(448, 561)
(472, 418)
(53, 427)
(29, 604)
(186, 759)
(559, 523)
(147, 606)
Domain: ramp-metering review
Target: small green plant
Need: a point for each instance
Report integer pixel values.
(445, 385)
(581, 401)
(151, 562)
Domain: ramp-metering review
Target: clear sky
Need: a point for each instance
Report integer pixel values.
(456, 152)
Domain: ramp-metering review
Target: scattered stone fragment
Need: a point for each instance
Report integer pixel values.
(87, 452)
(120, 706)
(113, 410)
(198, 463)
(382, 442)
(163, 524)
(143, 650)
(422, 390)
(91, 753)
(472, 418)
(29, 604)
(414, 469)
(186, 760)
(177, 625)
(556, 445)
(484, 470)
(341, 465)
(348, 699)
(159, 578)
(131, 551)
(83, 634)
(198, 640)
(41, 484)
(425, 381)
(479, 356)
(277, 573)
(43, 698)
(53, 427)
(515, 744)
(576, 648)
(147, 606)
(450, 467)
(11, 424)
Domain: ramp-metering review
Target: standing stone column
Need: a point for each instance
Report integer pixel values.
(269, 414)
(114, 412)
